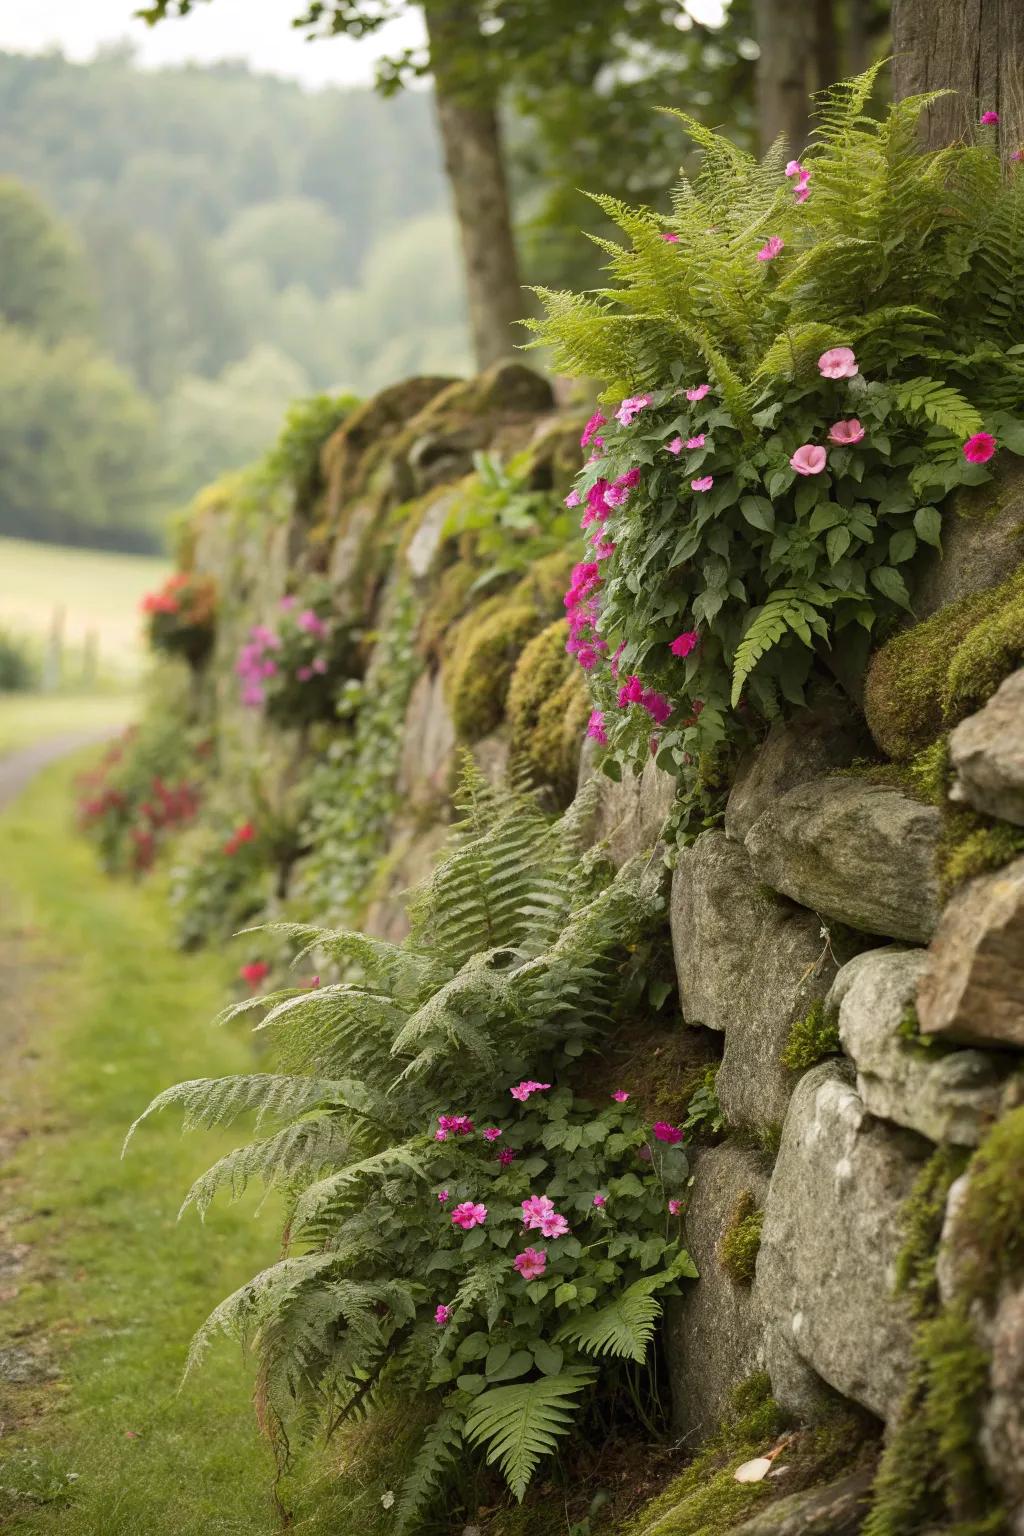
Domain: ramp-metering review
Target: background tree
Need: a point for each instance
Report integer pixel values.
(975, 47)
(44, 284)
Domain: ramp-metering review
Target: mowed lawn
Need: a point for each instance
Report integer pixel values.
(98, 594)
(101, 1287)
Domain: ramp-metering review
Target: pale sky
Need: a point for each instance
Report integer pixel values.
(257, 31)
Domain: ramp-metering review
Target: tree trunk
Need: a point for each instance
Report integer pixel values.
(784, 30)
(826, 45)
(975, 47)
(471, 139)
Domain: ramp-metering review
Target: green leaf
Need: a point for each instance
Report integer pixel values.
(902, 545)
(517, 1364)
(891, 585)
(826, 517)
(758, 512)
(928, 526)
(520, 1424)
(837, 542)
(496, 1357)
(549, 1357)
(471, 1382)
(566, 1292)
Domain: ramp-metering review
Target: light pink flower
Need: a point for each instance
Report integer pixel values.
(469, 1215)
(674, 1207)
(695, 442)
(553, 1225)
(441, 1316)
(698, 392)
(531, 1263)
(620, 1095)
(683, 644)
(979, 448)
(440, 1135)
(671, 238)
(492, 1133)
(631, 407)
(596, 728)
(667, 1133)
(590, 431)
(600, 1200)
(573, 499)
(443, 1196)
(808, 459)
(837, 363)
(522, 1090)
(846, 433)
(801, 192)
(794, 168)
(771, 248)
(617, 495)
(702, 483)
(989, 118)
(535, 1209)
(1017, 155)
(675, 446)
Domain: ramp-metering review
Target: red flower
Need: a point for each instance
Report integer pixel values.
(254, 974)
(668, 1133)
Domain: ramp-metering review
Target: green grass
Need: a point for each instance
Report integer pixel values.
(112, 1287)
(29, 717)
(99, 593)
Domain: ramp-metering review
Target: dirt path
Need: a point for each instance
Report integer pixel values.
(19, 768)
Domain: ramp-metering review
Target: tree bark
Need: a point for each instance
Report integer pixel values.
(784, 29)
(474, 160)
(974, 47)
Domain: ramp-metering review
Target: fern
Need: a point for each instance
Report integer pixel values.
(440, 1447)
(521, 1423)
(787, 610)
(624, 1328)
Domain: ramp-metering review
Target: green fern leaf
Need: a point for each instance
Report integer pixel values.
(520, 1424)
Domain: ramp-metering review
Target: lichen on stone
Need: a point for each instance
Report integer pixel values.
(739, 1243)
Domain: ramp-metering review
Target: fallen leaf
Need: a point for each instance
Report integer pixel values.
(753, 1471)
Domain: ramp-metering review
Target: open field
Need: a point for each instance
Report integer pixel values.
(28, 717)
(97, 591)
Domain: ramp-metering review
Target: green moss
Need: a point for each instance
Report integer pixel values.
(739, 1244)
(485, 648)
(934, 675)
(546, 582)
(990, 1224)
(972, 844)
(547, 711)
(922, 1222)
(450, 601)
(812, 1037)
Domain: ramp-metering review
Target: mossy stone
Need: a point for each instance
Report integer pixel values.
(548, 707)
(485, 648)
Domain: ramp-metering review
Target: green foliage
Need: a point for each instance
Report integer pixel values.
(295, 457)
(513, 524)
(992, 1217)
(767, 568)
(295, 670)
(547, 711)
(741, 1240)
(517, 961)
(485, 649)
(704, 1113)
(45, 287)
(922, 1223)
(972, 844)
(181, 617)
(19, 665)
(812, 1037)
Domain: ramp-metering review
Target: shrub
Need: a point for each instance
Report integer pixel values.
(806, 378)
(295, 457)
(427, 1108)
(19, 670)
(146, 786)
(182, 617)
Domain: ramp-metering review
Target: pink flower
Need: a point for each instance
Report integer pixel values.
(837, 363)
(675, 446)
(702, 483)
(522, 1090)
(553, 1225)
(620, 1095)
(671, 238)
(304, 674)
(535, 1209)
(440, 1135)
(441, 1316)
(695, 442)
(492, 1133)
(312, 623)
(674, 1207)
(506, 1156)
(616, 495)
(631, 407)
(1017, 155)
(469, 1215)
(771, 248)
(698, 392)
(794, 168)
(599, 1200)
(668, 1133)
(656, 705)
(846, 433)
(254, 974)
(531, 1263)
(287, 603)
(443, 1196)
(459, 1125)
(802, 192)
(573, 499)
(590, 431)
(979, 448)
(989, 118)
(808, 460)
(595, 728)
(683, 644)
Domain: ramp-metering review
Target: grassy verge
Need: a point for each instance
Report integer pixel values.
(28, 717)
(97, 1013)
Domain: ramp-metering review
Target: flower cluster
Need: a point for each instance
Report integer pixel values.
(293, 669)
(129, 809)
(454, 1125)
(243, 833)
(181, 616)
(522, 1091)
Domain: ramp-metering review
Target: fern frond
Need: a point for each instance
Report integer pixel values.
(303, 1151)
(519, 1424)
(212, 1101)
(319, 1197)
(788, 610)
(941, 404)
(440, 1446)
(624, 1328)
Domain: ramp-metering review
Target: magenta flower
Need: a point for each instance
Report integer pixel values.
(620, 1095)
(837, 363)
(846, 433)
(469, 1215)
(979, 448)
(675, 446)
(535, 1209)
(695, 442)
(573, 499)
(1017, 155)
(671, 238)
(304, 674)
(808, 460)
(656, 705)
(458, 1125)
(531, 1263)
(698, 392)
(683, 644)
(553, 1225)
(506, 1156)
(599, 1200)
(771, 248)
(590, 431)
(287, 603)
(667, 1133)
(596, 728)
(989, 119)
(801, 192)
(492, 1133)
(522, 1090)
(674, 1207)
(443, 1196)
(631, 407)
(616, 495)
(440, 1135)
(794, 168)
(312, 623)
(441, 1316)
(702, 483)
